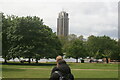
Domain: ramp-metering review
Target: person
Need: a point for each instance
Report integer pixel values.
(58, 58)
(61, 70)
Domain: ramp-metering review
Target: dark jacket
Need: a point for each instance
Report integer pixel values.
(63, 68)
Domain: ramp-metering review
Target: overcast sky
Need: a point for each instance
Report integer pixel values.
(93, 17)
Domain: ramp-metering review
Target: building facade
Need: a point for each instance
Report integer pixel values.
(63, 24)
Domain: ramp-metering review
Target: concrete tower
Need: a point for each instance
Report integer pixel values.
(63, 24)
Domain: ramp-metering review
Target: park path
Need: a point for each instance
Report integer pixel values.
(73, 69)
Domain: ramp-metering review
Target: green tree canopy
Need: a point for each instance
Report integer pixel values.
(101, 46)
(76, 49)
(28, 37)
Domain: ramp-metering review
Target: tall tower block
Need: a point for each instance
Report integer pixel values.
(63, 24)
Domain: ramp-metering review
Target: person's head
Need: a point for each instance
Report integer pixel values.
(58, 58)
(60, 62)
(63, 67)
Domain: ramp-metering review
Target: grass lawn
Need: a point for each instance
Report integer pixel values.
(42, 70)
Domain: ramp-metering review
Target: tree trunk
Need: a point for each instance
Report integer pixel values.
(32, 59)
(36, 60)
(29, 60)
(76, 60)
(5, 61)
(107, 60)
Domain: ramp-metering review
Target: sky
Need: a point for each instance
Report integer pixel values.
(86, 17)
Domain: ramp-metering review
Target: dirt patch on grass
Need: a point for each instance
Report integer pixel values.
(96, 69)
(35, 68)
(73, 69)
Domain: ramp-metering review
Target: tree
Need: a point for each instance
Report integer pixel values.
(28, 37)
(101, 46)
(66, 41)
(1, 14)
(81, 37)
(92, 45)
(72, 37)
(54, 47)
(6, 23)
(20, 37)
(116, 52)
(76, 50)
(49, 45)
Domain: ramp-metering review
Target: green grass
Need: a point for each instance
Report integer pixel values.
(93, 66)
(42, 70)
(95, 74)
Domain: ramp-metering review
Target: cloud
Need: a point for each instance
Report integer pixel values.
(95, 18)
(85, 18)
